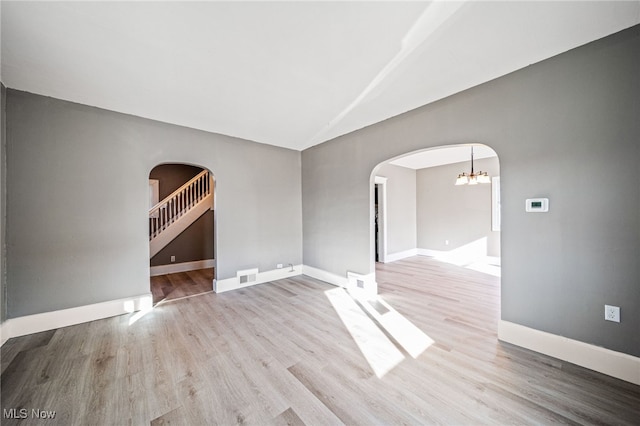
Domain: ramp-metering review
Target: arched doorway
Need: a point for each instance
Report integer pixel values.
(419, 207)
(181, 231)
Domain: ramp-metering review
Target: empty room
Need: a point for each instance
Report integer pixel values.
(313, 213)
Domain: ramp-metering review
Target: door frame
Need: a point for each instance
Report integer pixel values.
(381, 183)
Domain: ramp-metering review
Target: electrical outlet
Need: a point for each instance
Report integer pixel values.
(173, 259)
(279, 266)
(446, 242)
(612, 313)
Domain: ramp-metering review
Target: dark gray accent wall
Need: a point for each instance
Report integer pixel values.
(172, 176)
(566, 128)
(457, 214)
(77, 197)
(194, 243)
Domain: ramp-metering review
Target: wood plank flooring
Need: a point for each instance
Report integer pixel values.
(291, 353)
(175, 286)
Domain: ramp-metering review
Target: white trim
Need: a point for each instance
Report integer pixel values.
(322, 275)
(173, 268)
(350, 282)
(362, 286)
(29, 324)
(154, 195)
(252, 271)
(496, 210)
(443, 255)
(616, 364)
(401, 255)
(220, 286)
(429, 252)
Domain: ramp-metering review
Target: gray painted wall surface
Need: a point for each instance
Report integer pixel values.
(401, 207)
(459, 214)
(566, 128)
(3, 203)
(78, 201)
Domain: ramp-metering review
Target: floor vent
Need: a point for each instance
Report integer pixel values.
(247, 276)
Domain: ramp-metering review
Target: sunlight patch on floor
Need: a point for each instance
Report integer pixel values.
(145, 305)
(472, 256)
(381, 353)
(486, 268)
(403, 331)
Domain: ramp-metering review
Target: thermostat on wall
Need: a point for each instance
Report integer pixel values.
(537, 205)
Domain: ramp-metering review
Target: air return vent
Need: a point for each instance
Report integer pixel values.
(247, 275)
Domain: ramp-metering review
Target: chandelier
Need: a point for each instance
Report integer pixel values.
(472, 178)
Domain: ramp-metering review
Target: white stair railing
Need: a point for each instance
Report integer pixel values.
(178, 203)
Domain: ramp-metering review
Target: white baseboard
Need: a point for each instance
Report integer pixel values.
(606, 361)
(182, 267)
(234, 283)
(448, 257)
(328, 277)
(357, 284)
(400, 255)
(29, 324)
(429, 252)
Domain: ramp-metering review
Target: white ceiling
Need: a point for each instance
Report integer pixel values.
(292, 74)
(444, 155)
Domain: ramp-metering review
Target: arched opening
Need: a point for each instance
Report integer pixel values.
(182, 243)
(423, 217)
(419, 208)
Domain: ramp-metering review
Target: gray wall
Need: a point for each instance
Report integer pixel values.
(3, 203)
(77, 198)
(401, 207)
(566, 128)
(459, 214)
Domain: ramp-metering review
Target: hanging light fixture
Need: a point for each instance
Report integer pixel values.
(473, 178)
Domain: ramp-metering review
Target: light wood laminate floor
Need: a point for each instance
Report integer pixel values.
(299, 351)
(182, 284)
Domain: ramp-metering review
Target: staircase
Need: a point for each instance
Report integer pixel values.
(171, 216)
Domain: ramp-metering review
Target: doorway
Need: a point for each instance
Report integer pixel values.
(181, 231)
(380, 219)
(422, 209)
